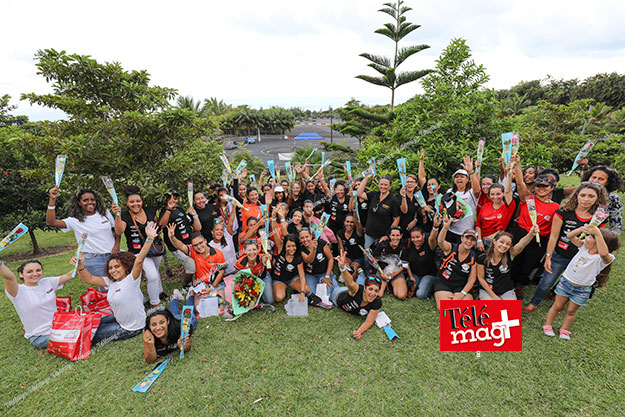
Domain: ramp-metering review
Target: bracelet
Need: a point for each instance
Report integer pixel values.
(471, 173)
(480, 241)
(342, 269)
(51, 207)
(83, 268)
(463, 292)
(327, 276)
(435, 228)
(548, 254)
(149, 240)
(196, 217)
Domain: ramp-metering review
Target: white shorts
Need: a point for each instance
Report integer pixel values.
(186, 261)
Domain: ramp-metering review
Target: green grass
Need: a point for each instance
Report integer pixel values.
(312, 366)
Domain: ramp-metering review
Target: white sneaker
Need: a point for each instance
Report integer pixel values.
(177, 295)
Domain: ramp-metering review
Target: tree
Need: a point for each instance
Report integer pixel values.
(387, 67)
(118, 125)
(446, 121)
(189, 103)
(361, 121)
(7, 119)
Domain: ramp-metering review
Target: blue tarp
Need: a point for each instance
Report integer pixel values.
(309, 136)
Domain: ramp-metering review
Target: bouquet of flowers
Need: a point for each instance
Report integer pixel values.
(246, 291)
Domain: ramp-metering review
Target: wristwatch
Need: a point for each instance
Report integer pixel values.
(463, 292)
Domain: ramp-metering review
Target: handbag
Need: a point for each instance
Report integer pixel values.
(157, 248)
(95, 301)
(71, 334)
(63, 303)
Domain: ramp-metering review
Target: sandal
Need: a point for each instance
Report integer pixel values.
(548, 330)
(529, 309)
(565, 334)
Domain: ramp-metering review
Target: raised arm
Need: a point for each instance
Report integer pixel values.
(467, 164)
(422, 178)
(51, 219)
(151, 230)
(444, 245)
(85, 276)
(230, 225)
(518, 174)
(171, 229)
(434, 232)
(508, 189)
(521, 244)
(362, 187)
(347, 277)
(10, 282)
(120, 225)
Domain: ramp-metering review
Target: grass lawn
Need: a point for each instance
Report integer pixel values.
(269, 363)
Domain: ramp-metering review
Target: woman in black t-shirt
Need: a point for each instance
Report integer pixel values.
(206, 212)
(383, 210)
(388, 254)
(338, 206)
(288, 266)
(161, 335)
(132, 224)
(350, 239)
(456, 274)
(493, 267)
(360, 300)
(420, 257)
(318, 263)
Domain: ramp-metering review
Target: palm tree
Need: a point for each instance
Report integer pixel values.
(387, 67)
(214, 107)
(187, 102)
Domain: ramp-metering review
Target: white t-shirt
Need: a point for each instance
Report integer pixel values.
(468, 222)
(126, 300)
(584, 267)
(229, 252)
(36, 306)
(100, 238)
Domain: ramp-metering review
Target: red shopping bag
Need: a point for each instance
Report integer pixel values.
(63, 303)
(95, 301)
(70, 336)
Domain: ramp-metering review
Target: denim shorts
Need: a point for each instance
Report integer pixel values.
(577, 294)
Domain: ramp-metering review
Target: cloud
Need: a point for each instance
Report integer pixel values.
(305, 54)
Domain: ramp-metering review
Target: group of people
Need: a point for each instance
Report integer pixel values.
(486, 237)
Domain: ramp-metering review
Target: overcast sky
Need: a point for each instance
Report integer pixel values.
(304, 53)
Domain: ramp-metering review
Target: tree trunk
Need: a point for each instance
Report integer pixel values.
(33, 239)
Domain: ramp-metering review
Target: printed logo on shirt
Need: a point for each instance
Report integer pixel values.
(481, 325)
(466, 267)
(184, 236)
(290, 267)
(503, 268)
(320, 257)
(363, 312)
(50, 290)
(385, 206)
(118, 290)
(352, 241)
(105, 221)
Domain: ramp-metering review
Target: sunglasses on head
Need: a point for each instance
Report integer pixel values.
(376, 279)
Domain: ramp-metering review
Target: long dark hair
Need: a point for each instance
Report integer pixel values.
(172, 324)
(74, 204)
(570, 204)
(127, 260)
(291, 237)
(614, 181)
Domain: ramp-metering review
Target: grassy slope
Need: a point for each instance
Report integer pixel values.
(311, 366)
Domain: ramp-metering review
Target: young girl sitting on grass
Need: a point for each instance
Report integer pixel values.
(575, 286)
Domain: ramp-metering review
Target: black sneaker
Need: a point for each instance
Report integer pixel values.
(163, 297)
(315, 301)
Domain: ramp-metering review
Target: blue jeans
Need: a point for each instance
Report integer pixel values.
(336, 293)
(96, 264)
(360, 280)
(268, 291)
(313, 280)
(424, 285)
(174, 308)
(40, 342)
(558, 265)
(110, 331)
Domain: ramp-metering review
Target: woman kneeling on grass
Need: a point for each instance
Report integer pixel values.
(123, 273)
(493, 267)
(360, 300)
(456, 275)
(161, 335)
(594, 256)
(34, 300)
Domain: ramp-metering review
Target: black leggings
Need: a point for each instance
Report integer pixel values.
(530, 258)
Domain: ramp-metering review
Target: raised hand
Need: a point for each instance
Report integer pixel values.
(54, 192)
(151, 230)
(148, 337)
(171, 229)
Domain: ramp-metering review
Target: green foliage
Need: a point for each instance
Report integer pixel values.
(558, 128)
(361, 121)
(447, 121)
(7, 119)
(245, 121)
(254, 165)
(387, 67)
(123, 128)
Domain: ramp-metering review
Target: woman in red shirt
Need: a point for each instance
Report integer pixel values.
(495, 213)
(529, 259)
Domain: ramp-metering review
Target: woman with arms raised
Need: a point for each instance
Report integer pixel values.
(123, 273)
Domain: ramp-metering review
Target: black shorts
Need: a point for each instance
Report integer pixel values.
(444, 285)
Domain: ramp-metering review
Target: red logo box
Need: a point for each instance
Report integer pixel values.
(481, 325)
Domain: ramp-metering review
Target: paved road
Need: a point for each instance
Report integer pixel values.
(270, 146)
